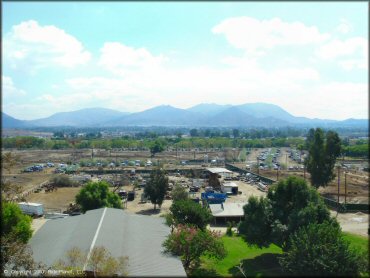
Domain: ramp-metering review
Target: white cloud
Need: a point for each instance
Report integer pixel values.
(32, 46)
(333, 100)
(255, 35)
(350, 53)
(9, 90)
(336, 48)
(121, 59)
(344, 27)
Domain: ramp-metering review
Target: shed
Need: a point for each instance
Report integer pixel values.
(229, 188)
(223, 172)
(227, 211)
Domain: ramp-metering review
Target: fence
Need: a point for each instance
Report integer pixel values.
(239, 170)
(341, 207)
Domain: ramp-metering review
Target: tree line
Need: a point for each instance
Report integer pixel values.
(28, 142)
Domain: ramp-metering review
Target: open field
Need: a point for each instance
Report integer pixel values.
(257, 261)
(56, 200)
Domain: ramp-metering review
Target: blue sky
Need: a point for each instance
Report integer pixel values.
(310, 58)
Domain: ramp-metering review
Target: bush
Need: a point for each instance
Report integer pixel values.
(14, 223)
(229, 230)
(191, 243)
(63, 181)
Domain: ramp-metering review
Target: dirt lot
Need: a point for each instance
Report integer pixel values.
(356, 223)
(27, 180)
(357, 181)
(57, 200)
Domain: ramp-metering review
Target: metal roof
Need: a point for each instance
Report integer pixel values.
(218, 170)
(230, 184)
(30, 204)
(139, 237)
(227, 209)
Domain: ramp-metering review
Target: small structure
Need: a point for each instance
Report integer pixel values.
(225, 212)
(215, 174)
(213, 198)
(229, 188)
(32, 208)
(223, 172)
(130, 195)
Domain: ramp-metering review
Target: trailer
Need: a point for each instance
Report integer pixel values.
(229, 188)
(32, 208)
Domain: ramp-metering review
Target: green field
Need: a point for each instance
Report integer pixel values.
(257, 261)
(358, 242)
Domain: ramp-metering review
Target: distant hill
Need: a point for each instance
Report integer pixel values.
(209, 109)
(164, 115)
(80, 118)
(202, 115)
(10, 122)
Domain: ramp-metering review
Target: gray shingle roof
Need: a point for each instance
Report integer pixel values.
(139, 237)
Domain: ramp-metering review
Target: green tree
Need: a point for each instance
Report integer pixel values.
(191, 243)
(256, 226)
(156, 187)
(14, 223)
(323, 152)
(194, 132)
(187, 212)
(236, 133)
(289, 205)
(321, 250)
(97, 195)
(156, 147)
(179, 193)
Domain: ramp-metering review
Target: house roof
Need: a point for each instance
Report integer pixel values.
(218, 170)
(227, 209)
(139, 237)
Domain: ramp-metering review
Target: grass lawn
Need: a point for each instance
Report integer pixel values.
(256, 261)
(357, 242)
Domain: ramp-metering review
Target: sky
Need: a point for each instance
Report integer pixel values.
(310, 58)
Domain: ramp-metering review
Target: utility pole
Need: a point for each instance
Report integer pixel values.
(304, 171)
(258, 165)
(338, 184)
(277, 174)
(286, 160)
(345, 187)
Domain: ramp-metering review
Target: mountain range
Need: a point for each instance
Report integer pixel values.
(201, 115)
